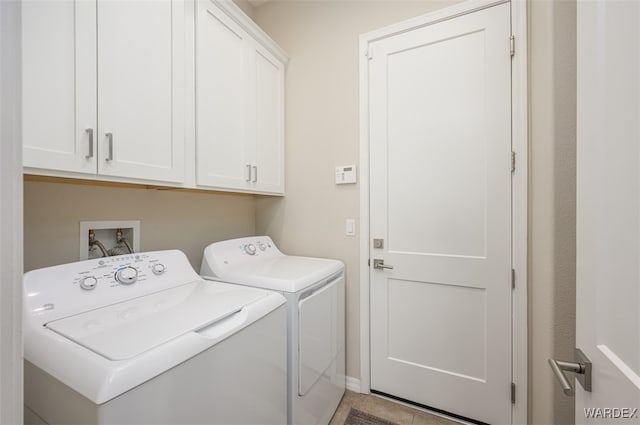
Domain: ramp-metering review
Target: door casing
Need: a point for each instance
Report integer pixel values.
(519, 195)
(11, 214)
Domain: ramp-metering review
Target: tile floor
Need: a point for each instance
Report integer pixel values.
(385, 409)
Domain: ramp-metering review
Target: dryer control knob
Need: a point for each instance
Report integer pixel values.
(250, 249)
(89, 283)
(158, 268)
(262, 246)
(127, 275)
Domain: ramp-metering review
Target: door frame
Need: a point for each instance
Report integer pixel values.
(519, 129)
(11, 255)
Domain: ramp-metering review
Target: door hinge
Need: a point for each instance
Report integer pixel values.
(513, 161)
(369, 262)
(513, 278)
(512, 45)
(513, 393)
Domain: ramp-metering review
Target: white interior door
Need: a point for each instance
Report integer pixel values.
(608, 210)
(141, 90)
(440, 146)
(59, 85)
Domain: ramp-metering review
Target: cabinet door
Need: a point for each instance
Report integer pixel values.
(222, 132)
(141, 89)
(269, 125)
(59, 85)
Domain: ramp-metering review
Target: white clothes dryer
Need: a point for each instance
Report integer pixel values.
(142, 339)
(314, 289)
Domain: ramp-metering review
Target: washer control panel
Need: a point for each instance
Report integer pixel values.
(256, 246)
(85, 285)
(119, 270)
(230, 254)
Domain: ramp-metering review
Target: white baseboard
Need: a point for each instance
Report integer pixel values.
(353, 384)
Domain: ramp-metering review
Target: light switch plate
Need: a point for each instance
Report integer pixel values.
(350, 227)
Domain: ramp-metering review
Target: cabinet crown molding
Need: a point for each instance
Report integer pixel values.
(247, 24)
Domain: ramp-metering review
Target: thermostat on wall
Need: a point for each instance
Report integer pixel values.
(346, 174)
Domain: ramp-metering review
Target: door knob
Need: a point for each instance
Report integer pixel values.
(581, 367)
(378, 263)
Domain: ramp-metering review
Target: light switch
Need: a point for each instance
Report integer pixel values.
(350, 225)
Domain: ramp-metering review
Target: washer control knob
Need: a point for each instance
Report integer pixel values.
(89, 283)
(158, 268)
(262, 246)
(250, 249)
(127, 275)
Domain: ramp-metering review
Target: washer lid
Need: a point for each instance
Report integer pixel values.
(285, 273)
(124, 330)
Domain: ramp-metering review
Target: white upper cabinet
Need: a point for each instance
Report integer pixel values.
(141, 89)
(269, 126)
(239, 102)
(103, 88)
(59, 85)
(221, 100)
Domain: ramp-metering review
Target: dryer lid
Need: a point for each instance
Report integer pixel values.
(126, 329)
(284, 273)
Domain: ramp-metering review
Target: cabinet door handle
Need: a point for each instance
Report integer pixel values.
(255, 173)
(248, 172)
(89, 131)
(110, 141)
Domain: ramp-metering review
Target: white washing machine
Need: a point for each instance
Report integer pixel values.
(142, 339)
(314, 289)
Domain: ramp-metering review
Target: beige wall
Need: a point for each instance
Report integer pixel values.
(322, 132)
(321, 38)
(182, 220)
(552, 143)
